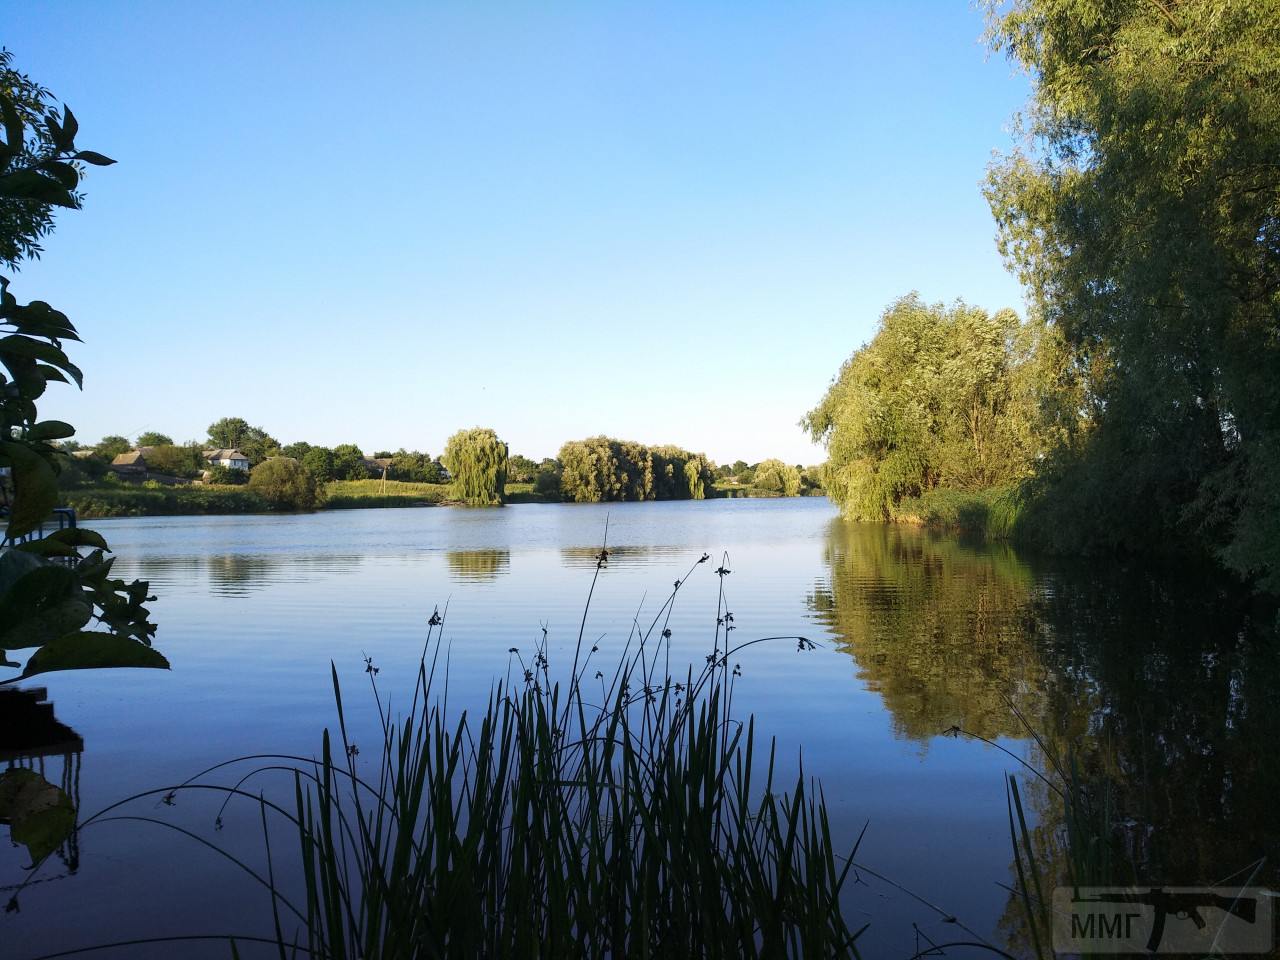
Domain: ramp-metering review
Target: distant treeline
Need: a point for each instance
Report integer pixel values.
(476, 466)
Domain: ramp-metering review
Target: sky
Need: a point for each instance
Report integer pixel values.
(381, 223)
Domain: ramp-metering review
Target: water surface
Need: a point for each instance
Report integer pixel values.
(919, 635)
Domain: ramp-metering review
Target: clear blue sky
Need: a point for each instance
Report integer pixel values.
(378, 223)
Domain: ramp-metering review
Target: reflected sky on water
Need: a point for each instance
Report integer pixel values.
(919, 634)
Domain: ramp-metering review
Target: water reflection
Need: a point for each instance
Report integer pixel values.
(623, 555)
(1165, 685)
(940, 630)
(243, 574)
(40, 782)
(478, 566)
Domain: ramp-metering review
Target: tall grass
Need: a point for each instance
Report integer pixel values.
(626, 814)
(993, 513)
(600, 812)
(351, 494)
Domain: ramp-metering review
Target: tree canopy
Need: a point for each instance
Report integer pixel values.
(477, 462)
(775, 477)
(1143, 215)
(151, 438)
(283, 483)
(940, 396)
(601, 469)
(236, 433)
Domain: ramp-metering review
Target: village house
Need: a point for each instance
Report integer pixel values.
(130, 465)
(231, 458)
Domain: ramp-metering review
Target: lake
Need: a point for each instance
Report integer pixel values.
(1166, 681)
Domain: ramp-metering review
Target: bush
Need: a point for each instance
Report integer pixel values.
(227, 476)
(284, 484)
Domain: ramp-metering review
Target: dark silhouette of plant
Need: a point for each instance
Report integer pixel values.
(49, 592)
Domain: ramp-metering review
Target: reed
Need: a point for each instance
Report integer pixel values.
(626, 814)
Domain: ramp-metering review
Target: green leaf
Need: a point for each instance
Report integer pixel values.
(97, 159)
(50, 430)
(30, 185)
(70, 127)
(63, 543)
(44, 604)
(63, 172)
(35, 485)
(40, 815)
(86, 650)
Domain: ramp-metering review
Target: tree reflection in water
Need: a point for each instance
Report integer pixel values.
(1161, 683)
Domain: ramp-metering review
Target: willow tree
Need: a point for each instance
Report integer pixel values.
(941, 396)
(778, 478)
(1143, 216)
(601, 469)
(477, 461)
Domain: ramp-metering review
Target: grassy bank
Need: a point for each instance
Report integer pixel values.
(138, 501)
(354, 494)
(122, 501)
(991, 513)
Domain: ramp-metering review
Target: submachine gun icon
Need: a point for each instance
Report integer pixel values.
(1182, 905)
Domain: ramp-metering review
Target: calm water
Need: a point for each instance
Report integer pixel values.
(918, 634)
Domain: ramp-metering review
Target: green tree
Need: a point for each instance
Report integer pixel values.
(547, 480)
(1144, 219)
(348, 463)
(49, 591)
(296, 450)
(112, 446)
(477, 461)
(319, 463)
(235, 433)
(150, 438)
(521, 469)
(284, 484)
(177, 461)
(941, 396)
(415, 467)
(778, 478)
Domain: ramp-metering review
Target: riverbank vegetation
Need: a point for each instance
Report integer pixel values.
(601, 469)
(343, 477)
(1137, 407)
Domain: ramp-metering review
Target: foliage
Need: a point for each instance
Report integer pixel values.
(319, 462)
(949, 396)
(234, 433)
(1144, 217)
(477, 461)
(993, 513)
(414, 467)
(777, 478)
(49, 591)
(135, 501)
(296, 450)
(177, 461)
(546, 482)
(151, 438)
(227, 476)
(520, 469)
(601, 469)
(348, 462)
(112, 446)
(352, 494)
(284, 484)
